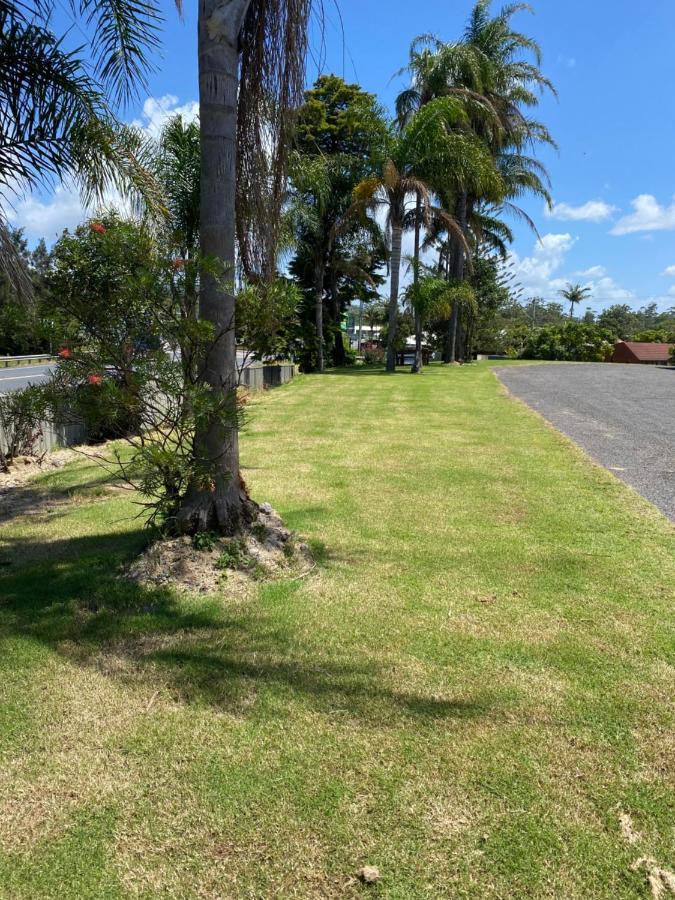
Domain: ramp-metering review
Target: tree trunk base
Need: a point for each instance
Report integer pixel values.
(227, 511)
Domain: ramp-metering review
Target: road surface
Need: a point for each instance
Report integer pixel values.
(17, 377)
(622, 415)
(20, 376)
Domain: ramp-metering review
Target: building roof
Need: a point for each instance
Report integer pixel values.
(646, 352)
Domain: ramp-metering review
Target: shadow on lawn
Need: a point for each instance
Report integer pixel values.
(52, 491)
(191, 650)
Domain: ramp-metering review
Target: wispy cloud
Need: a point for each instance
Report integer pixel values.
(591, 211)
(568, 61)
(536, 273)
(647, 215)
(156, 111)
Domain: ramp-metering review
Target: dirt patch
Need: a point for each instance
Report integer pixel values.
(627, 829)
(661, 881)
(16, 497)
(23, 468)
(205, 562)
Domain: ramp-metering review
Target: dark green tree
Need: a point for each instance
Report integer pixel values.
(339, 129)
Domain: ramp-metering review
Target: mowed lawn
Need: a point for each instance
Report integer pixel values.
(468, 691)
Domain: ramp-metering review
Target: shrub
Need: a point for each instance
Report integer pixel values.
(21, 416)
(373, 356)
(569, 342)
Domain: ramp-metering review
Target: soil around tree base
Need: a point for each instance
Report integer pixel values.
(208, 563)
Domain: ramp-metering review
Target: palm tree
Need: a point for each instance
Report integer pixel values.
(575, 293)
(434, 148)
(487, 71)
(251, 69)
(55, 121)
(315, 219)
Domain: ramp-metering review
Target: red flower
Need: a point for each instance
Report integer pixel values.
(178, 263)
(95, 379)
(65, 353)
(98, 227)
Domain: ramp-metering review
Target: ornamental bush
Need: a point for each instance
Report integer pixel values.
(570, 342)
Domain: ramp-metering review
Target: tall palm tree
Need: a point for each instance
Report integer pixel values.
(392, 190)
(315, 218)
(487, 70)
(251, 71)
(575, 293)
(434, 148)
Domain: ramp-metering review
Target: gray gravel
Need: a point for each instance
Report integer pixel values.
(622, 415)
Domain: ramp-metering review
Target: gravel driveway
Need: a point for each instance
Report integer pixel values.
(622, 415)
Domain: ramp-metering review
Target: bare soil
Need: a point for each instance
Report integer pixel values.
(205, 563)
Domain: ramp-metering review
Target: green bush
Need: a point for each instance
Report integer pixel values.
(569, 342)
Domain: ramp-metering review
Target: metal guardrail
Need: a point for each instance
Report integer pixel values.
(11, 362)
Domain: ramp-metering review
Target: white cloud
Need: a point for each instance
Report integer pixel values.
(606, 290)
(568, 61)
(670, 271)
(543, 273)
(591, 211)
(535, 273)
(647, 215)
(156, 111)
(593, 272)
(48, 217)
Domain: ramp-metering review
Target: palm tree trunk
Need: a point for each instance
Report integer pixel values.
(419, 361)
(396, 238)
(458, 269)
(222, 504)
(319, 276)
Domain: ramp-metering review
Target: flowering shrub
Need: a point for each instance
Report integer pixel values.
(136, 347)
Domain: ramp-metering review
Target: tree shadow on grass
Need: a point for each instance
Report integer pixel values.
(204, 650)
(52, 490)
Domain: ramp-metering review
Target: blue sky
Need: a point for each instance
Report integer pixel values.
(613, 226)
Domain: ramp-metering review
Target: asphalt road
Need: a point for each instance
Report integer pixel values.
(19, 376)
(622, 415)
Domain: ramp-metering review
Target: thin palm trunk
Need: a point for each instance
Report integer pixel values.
(419, 361)
(217, 499)
(396, 238)
(319, 277)
(458, 270)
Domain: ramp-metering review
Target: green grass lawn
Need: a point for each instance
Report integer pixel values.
(469, 689)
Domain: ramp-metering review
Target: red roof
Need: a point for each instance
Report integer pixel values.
(634, 351)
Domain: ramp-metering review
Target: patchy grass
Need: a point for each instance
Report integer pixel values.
(469, 692)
